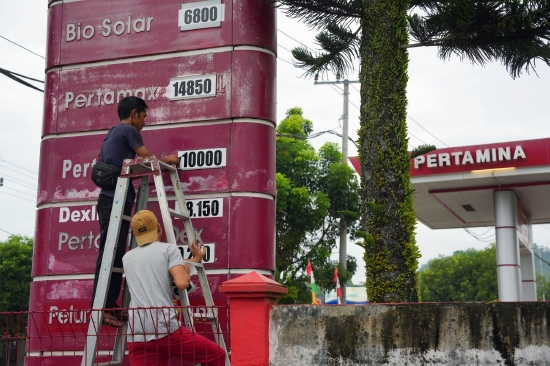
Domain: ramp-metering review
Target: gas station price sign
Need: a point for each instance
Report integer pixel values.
(204, 14)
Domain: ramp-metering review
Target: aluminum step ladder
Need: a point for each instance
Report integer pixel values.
(145, 167)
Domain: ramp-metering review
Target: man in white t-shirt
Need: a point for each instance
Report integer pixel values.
(155, 334)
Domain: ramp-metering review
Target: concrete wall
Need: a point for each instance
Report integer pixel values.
(411, 334)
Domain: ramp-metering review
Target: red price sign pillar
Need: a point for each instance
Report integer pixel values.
(207, 71)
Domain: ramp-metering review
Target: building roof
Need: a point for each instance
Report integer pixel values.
(454, 186)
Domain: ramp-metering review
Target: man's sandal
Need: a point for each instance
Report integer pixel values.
(111, 321)
(121, 315)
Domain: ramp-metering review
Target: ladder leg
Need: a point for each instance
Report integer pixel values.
(163, 204)
(178, 190)
(120, 340)
(104, 277)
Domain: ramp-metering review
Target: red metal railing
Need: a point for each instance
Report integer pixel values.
(58, 337)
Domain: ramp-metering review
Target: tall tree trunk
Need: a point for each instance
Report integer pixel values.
(388, 213)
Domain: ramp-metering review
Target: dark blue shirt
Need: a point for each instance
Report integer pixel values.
(119, 144)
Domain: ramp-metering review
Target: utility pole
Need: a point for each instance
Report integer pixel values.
(540, 262)
(343, 258)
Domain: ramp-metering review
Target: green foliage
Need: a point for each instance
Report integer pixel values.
(315, 190)
(421, 150)
(543, 287)
(15, 272)
(513, 32)
(469, 275)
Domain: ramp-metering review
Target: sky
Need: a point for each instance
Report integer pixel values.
(450, 102)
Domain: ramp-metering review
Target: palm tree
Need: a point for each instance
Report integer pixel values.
(514, 32)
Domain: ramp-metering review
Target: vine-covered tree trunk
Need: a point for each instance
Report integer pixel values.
(387, 212)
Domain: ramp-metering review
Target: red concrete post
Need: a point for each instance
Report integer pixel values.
(251, 298)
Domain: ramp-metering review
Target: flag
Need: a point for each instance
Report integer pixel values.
(309, 272)
(338, 289)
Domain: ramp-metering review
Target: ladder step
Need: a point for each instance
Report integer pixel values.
(177, 214)
(204, 316)
(127, 218)
(164, 166)
(117, 270)
(109, 363)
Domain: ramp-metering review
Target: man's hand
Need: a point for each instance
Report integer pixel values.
(170, 159)
(198, 251)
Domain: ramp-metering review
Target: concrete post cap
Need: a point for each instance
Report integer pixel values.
(252, 284)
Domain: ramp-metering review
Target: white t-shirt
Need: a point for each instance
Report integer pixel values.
(147, 270)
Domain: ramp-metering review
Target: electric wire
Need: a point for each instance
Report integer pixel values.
(412, 119)
(19, 80)
(18, 166)
(543, 260)
(13, 170)
(294, 39)
(26, 49)
(284, 48)
(489, 229)
(7, 232)
(409, 132)
(23, 76)
(290, 63)
(25, 193)
(19, 181)
(314, 135)
(17, 196)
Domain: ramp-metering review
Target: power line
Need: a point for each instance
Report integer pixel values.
(20, 81)
(290, 63)
(23, 76)
(17, 197)
(26, 49)
(7, 232)
(23, 174)
(19, 181)
(284, 48)
(314, 135)
(416, 138)
(544, 261)
(25, 193)
(294, 39)
(357, 90)
(20, 167)
(427, 131)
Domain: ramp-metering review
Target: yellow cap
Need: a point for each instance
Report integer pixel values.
(144, 225)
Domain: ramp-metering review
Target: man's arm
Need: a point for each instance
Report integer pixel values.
(180, 275)
(143, 152)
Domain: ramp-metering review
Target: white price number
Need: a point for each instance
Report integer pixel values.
(208, 257)
(203, 14)
(205, 208)
(192, 87)
(202, 159)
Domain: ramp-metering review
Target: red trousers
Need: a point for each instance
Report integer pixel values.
(183, 344)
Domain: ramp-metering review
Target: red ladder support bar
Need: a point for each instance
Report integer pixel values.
(251, 298)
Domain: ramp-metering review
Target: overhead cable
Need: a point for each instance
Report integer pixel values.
(7, 232)
(13, 76)
(25, 193)
(26, 49)
(544, 261)
(18, 166)
(314, 135)
(412, 119)
(15, 171)
(17, 196)
(19, 181)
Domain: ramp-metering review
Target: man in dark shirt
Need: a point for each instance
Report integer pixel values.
(122, 142)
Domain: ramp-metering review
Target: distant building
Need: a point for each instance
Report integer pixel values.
(354, 296)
